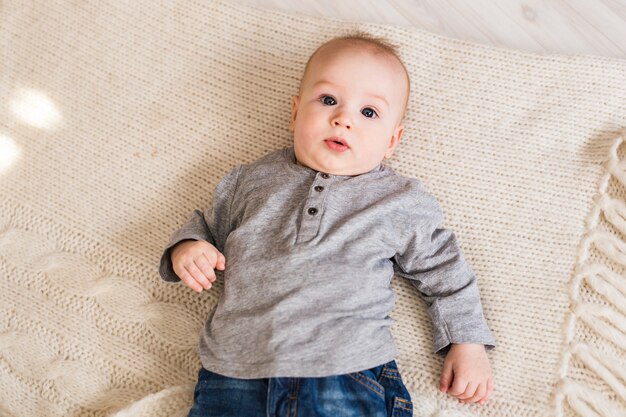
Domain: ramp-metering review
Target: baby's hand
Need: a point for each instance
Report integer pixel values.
(466, 374)
(194, 262)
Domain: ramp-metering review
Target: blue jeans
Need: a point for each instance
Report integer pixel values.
(375, 392)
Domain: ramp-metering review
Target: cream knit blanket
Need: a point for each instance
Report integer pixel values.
(117, 119)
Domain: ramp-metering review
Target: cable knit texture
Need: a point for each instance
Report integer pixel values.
(117, 120)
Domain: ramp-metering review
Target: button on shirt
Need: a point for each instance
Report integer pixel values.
(309, 261)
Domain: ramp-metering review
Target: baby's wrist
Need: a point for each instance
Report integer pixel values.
(468, 346)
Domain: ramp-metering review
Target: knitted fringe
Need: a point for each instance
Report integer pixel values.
(607, 320)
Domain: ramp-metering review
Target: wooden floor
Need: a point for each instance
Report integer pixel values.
(594, 27)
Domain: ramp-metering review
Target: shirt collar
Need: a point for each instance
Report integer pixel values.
(291, 157)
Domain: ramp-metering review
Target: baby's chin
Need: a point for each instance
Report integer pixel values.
(337, 169)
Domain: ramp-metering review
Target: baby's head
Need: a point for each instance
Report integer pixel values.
(354, 90)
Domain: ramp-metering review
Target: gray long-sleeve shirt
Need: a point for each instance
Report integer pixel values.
(309, 261)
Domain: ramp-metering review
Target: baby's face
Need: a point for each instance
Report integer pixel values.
(351, 95)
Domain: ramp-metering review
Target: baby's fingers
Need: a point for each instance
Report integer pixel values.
(221, 262)
(459, 385)
(469, 392)
(479, 395)
(198, 276)
(206, 268)
(189, 280)
(489, 391)
(446, 377)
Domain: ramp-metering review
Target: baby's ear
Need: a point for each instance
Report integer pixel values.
(295, 101)
(395, 138)
(398, 132)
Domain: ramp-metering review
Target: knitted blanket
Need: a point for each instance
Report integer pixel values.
(117, 119)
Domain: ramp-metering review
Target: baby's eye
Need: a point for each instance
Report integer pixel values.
(369, 112)
(328, 100)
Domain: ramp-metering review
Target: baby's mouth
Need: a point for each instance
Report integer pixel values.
(339, 141)
(337, 144)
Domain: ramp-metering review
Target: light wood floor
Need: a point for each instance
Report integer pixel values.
(594, 27)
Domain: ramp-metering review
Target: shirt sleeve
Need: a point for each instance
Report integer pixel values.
(434, 263)
(212, 225)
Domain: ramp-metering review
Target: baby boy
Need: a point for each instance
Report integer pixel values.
(308, 238)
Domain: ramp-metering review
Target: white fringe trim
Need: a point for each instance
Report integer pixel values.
(608, 321)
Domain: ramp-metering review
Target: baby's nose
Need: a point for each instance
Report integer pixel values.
(342, 120)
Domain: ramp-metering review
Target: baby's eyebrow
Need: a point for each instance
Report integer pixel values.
(322, 84)
(381, 98)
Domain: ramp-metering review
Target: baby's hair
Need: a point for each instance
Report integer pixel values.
(375, 43)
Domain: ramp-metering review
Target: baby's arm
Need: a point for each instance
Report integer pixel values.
(434, 263)
(195, 250)
(194, 261)
(466, 373)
